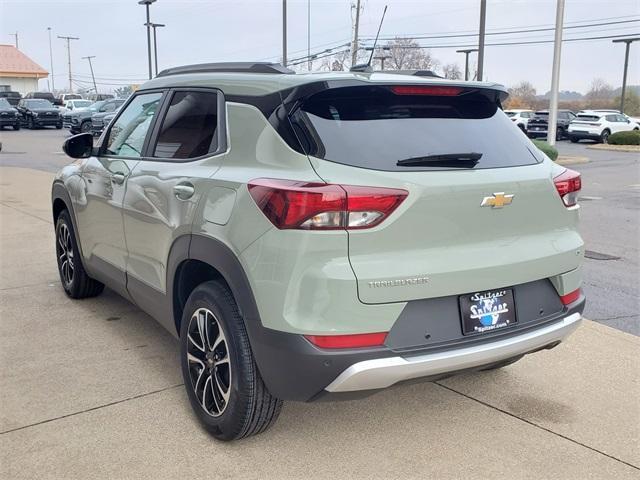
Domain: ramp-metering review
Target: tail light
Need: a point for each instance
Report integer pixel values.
(426, 90)
(570, 297)
(348, 341)
(289, 204)
(568, 184)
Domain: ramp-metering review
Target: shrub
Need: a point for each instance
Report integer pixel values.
(547, 149)
(625, 138)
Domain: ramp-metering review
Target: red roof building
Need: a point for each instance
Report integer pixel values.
(18, 71)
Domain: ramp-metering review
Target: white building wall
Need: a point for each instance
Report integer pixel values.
(20, 84)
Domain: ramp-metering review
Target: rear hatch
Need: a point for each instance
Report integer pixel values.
(440, 240)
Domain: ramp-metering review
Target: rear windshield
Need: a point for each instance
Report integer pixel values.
(38, 103)
(588, 118)
(373, 128)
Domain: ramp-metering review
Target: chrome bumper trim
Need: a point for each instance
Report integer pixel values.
(384, 372)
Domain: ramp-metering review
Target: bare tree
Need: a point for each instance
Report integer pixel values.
(452, 71)
(521, 95)
(599, 89)
(406, 54)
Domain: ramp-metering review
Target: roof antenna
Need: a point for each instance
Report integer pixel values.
(366, 67)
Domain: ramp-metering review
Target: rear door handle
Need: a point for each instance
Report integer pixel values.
(184, 191)
(118, 178)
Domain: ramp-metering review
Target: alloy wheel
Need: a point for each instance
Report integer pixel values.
(64, 249)
(209, 362)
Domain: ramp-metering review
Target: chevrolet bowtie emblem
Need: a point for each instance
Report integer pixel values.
(497, 200)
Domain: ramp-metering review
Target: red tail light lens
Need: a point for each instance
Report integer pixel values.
(426, 90)
(570, 297)
(289, 204)
(348, 341)
(568, 184)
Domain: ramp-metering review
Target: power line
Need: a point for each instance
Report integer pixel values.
(528, 30)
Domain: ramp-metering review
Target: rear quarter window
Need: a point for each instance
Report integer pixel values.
(373, 128)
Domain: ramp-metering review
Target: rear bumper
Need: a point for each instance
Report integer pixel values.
(584, 134)
(384, 372)
(294, 369)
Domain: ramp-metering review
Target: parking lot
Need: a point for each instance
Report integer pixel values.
(92, 389)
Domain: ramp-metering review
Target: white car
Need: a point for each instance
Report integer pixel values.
(598, 125)
(75, 105)
(520, 117)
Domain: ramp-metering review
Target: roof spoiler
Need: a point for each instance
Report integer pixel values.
(232, 67)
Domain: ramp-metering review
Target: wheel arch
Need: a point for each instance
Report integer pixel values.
(195, 259)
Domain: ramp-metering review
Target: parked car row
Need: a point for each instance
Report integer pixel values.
(76, 115)
(61, 100)
(586, 124)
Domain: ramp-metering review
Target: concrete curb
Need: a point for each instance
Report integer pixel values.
(571, 160)
(616, 148)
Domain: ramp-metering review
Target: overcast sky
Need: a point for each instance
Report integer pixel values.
(221, 30)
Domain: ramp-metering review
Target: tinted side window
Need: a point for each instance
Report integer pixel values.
(189, 129)
(126, 137)
(611, 118)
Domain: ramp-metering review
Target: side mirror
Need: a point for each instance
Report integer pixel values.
(79, 146)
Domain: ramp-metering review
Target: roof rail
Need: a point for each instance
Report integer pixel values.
(238, 67)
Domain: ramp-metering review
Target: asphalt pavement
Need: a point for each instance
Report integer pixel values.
(92, 389)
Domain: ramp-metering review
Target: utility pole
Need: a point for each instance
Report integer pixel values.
(53, 83)
(68, 39)
(15, 35)
(382, 58)
(483, 19)
(155, 43)
(146, 3)
(284, 33)
(309, 34)
(95, 88)
(555, 75)
(466, 60)
(354, 46)
(628, 42)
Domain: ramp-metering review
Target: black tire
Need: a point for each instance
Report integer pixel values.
(559, 133)
(85, 127)
(604, 136)
(16, 126)
(574, 139)
(58, 126)
(250, 408)
(30, 124)
(502, 364)
(74, 279)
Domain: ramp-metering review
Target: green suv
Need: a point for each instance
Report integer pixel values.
(318, 236)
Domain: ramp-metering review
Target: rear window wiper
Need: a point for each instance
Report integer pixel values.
(456, 160)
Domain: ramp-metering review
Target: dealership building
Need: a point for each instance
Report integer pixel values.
(18, 72)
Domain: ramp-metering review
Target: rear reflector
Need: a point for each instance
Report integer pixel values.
(426, 90)
(570, 297)
(568, 184)
(348, 341)
(289, 204)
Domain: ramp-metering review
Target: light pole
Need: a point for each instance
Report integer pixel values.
(628, 42)
(309, 34)
(53, 83)
(466, 60)
(146, 3)
(555, 75)
(483, 18)
(284, 33)
(68, 39)
(155, 43)
(95, 88)
(354, 45)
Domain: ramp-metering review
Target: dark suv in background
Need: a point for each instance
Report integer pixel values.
(12, 97)
(538, 125)
(80, 121)
(9, 116)
(37, 112)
